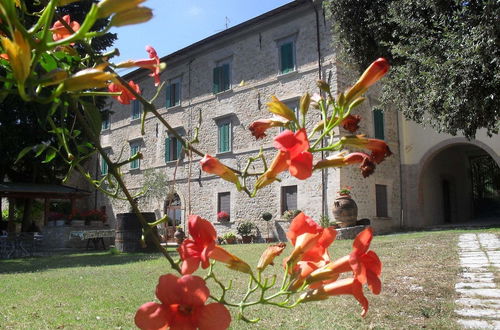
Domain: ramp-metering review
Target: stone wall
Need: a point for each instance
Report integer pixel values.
(254, 57)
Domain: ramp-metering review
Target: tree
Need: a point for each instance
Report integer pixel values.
(22, 123)
(445, 57)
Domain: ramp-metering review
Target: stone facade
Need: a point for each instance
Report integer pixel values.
(252, 50)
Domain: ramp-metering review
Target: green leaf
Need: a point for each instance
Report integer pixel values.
(40, 148)
(23, 153)
(47, 62)
(51, 154)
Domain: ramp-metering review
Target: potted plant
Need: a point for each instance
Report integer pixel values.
(179, 235)
(266, 216)
(345, 210)
(229, 238)
(245, 230)
(289, 215)
(223, 216)
(77, 219)
(95, 218)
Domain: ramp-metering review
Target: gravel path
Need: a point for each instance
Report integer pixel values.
(478, 306)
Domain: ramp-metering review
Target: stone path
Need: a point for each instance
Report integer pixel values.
(478, 306)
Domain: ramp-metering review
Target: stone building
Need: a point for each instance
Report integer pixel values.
(282, 53)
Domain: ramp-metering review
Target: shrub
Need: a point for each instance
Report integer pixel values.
(266, 216)
(245, 228)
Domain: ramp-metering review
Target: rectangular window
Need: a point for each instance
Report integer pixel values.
(222, 77)
(135, 164)
(288, 198)
(136, 109)
(224, 202)
(173, 93)
(173, 149)
(105, 120)
(224, 134)
(381, 200)
(287, 56)
(378, 123)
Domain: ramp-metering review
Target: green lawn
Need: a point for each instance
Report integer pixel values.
(100, 290)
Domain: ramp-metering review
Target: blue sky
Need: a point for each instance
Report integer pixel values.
(179, 23)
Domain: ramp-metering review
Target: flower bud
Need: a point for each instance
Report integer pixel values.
(281, 109)
(109, 7)
(372, 74)
(269, 254)
(212, 165)
(132, 16)
(323, 85)
(19, 55)
(232, 261)
(88, 78)
(305, 100)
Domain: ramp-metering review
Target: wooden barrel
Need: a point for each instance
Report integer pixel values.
(128, 231)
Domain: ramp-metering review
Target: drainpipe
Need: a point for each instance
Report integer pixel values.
(324, 209)
(401, 215)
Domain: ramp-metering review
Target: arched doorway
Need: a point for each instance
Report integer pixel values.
(459, 182)
(172, 207)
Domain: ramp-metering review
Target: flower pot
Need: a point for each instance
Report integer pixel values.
(96, 223)
(60, 223)
(231, 240)
(77, 223)
(246, 239)
(179, 236)
(345, 211)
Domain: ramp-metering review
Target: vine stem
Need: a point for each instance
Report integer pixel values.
(113, 169)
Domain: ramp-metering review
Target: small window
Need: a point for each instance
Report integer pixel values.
(105, 120)
(136, 109)
(287, 55)
(288, 198)
(224, 137)
(173, 93)
(173, 149)
(222, 76)
(134, 149)
(224, 202)
(378, 123)
(381, 200)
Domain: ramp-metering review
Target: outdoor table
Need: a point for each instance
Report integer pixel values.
(94, 236)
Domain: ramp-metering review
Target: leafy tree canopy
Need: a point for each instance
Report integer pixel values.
(445, 57)
(22, 123)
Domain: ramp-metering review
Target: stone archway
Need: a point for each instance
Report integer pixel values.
(447, 187)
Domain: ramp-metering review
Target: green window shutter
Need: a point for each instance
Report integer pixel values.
(167, 150)
(287, 64)
(169, 96)
(225, 77)
(378, 122)
(104, 167)
(224, 137)
(217, 83)
(179, 149)
(135, 163)
(177, 93)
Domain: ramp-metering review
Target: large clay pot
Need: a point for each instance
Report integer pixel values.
(179, 236)
(345, 211)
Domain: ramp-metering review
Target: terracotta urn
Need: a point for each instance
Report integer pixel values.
(345, 211)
